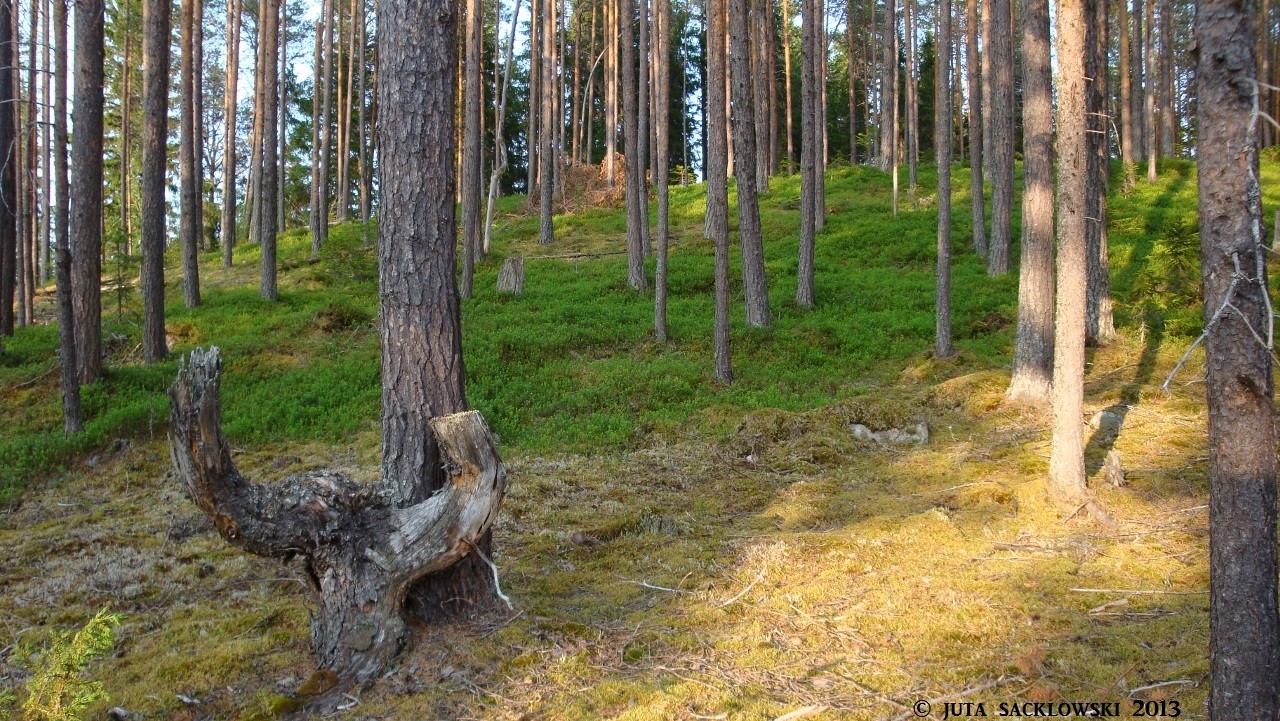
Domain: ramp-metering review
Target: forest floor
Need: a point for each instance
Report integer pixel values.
(674, 549)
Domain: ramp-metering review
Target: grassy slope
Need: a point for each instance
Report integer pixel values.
(872, 576)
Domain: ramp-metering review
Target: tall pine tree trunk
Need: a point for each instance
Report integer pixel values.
(189, 194)
(270, 13)
(1100, 326)
(546, 171)
(72, 420)
(717, 170)
(8, 169)
(1244, 633)
(1033, 346)
(755, 285)
(230, 105)
(661, 159)
(1000, 52)
(808, 152)
(1126, 96)
(1168, 121)
(155, 134)
(943, 346)
(320, 179)
(976, 139)
(786, 79)
(1066, 464)
(1149, 105)
(471, 145)
(86, 187)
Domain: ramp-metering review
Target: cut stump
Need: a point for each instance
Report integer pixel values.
(511, 277)
(361, 553)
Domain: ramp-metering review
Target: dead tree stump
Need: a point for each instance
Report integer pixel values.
(361, 553)
(511, 277)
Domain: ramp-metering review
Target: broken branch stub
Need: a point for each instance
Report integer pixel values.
(361, 553)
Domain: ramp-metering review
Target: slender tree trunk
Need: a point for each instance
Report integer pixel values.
(366, 186)
(1000, 52)
(126, 131)
(636, 204)
(8, 169)
(744, 140)
(1149, 108)
(895, 118)
(282, 112)
(943, 346)
(500, 147)
(820, 160)
(808, 151)
(86, 188)
(888, 85)
(472, 146)
(255, 165)
(46, 198)
(761, 74)
(1066, 465)
(188, 192)
(1033, 347)
(1126, 96)
(155, 133)
(1099, 326)
(1168, 121)
(661, 160)
(717, 171)
(72, 419)
(972, 68)
(852, 68)
(786, 75)
(611, 89)
(197, 111)
(1244, 633)
(270, 36)
(642, 121)
(1136, 68)
(230, 106)
(546, 162)
(913, 98)
(320, 185)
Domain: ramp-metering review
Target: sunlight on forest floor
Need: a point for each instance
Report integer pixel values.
(732, 562)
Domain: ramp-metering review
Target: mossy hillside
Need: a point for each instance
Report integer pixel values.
(861, 577)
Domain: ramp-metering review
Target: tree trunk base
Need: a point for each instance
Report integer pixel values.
(370, 563)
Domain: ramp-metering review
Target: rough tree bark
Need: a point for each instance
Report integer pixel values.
(155, 133)
(1168, 121)
(230, 103)
(910, 11)
(631, 147)
(1033, 347)
(188, 192)
(974, 76)
(546, 131)
(1099, 323)
(1138, 96)
(8, 171)
(72, 420)
(808, 152)
(1244, 632)
(1000, 52)
(717, 223)
(500, 146)
(270, 18)
(1126, 96)
(1066, 464)
(422, 370)
(86, 187)
(755, 285)
(661, 159)
(472, 148)
(1149, 106)
(786, 80)
(889, 86)
(320, 180)
(943, 346)
(363, 548)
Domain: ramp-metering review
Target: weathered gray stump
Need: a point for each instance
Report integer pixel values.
(361, 553)
(511, 277)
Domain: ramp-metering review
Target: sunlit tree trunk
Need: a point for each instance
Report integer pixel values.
(1000, 52)
(973, 66)
(1066, 464)
(472, 146)
(808, 152)
(270, 35)
(1100, 326)
(1244, 632)
(1126, 96)
(1033, 346)
(661, 159)
(189, 193)
(756, 290)
(230, 105)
